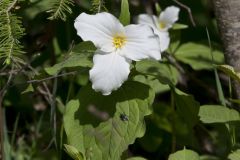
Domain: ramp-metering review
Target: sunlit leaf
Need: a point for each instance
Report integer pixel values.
(184, 154)
(229, 70)
(198, 56)
(136, 158)
(125, 14)
(177, 26)
(207, 157)
(217, 114)
(108, 137)
(73, 152)
(235, 155)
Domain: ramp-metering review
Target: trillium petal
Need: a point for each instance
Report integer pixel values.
(141, 43)
(164, 39)
(99, 29)
(169, 16)
(150, 20)
(109, 71)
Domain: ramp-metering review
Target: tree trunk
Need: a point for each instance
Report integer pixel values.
(228, 18)
(1, 130)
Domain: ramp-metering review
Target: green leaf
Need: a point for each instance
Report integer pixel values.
(184, 154)
(235, 155)
(155, 84)
(60, 8)
(187, 107)
(73, 152)
(108, 139)
(158, 8)
(28, 89)
(217, 114)
(125, 14)
(80, 56)
(229, 70)
(198, 56)
(164, 72)
(177, 26)
(136, 158)
(208, 157)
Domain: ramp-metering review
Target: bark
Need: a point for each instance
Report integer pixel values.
(1, 130)
(228, 18)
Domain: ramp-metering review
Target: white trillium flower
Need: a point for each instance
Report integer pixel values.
(116, 46)
(161, 24)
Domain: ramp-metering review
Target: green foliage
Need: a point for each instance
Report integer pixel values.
(187, 107)
(125, 14)
(73, 152)
(184, 154)
(217, 114)
(235, 155)
(207, 157)
(60, 8)
(162, 71)
(177, 26)
(98, 6)
(198, 56)
(136, 158)
(28, 89)
(80, 56)
(110, 138)
(11, 31)
(229, 70)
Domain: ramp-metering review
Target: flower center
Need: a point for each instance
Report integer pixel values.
(119, 41)
(162, 25)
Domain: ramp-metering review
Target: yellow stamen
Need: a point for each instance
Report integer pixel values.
(119, 41)
(162, 25)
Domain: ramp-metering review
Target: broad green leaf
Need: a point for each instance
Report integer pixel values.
(164, 72)
(177, 26)
(125, 14)
(107, 138)
(229, 70)
(136, 158)
(80, 56)
(207, 157)
(235, 155)
(73, 152)
(157, 86)
(184, 154)
(28, 89)
(198, 56)
(187, 107)
(217, 114)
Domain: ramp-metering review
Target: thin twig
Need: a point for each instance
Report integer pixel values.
(52, 77)
(188, 10)
(12, 5)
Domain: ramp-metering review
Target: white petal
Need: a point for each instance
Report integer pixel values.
(109, 71)
(169, 16)
(99, 29)
(141, 43)
(164, 39)
(150, 20)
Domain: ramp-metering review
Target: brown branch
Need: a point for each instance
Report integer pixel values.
(52, 77)
(188, 10)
